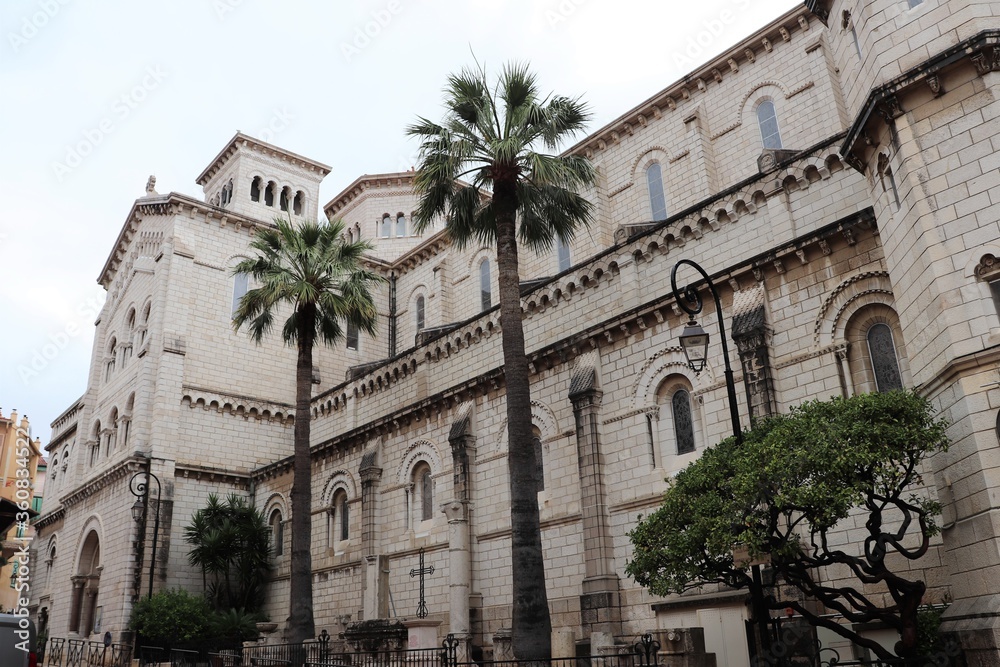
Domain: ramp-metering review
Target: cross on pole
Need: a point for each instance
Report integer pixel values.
(421, 571)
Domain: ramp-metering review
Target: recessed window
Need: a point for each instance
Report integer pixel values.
(657, 199)
(269, 193)
(400, 225)
(882, 351)
(420, 313)
(277, 532)
(351, 339)
(386, 230)
(562, 253)
(680, 407)
(536, 446)
(423, 491)
(255, 185)
(995, 293)
(341, 520)
(914, 3)
(241, 282)
(299, 204)
(485, 286)
(767, 121)
(286, 195)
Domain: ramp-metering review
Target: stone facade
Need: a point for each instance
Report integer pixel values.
(837, 173)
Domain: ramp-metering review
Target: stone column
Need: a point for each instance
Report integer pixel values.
(459, 530)
(599, 602)
(374, 602)
(76, 604)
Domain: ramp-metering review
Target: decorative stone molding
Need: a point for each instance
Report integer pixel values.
(238, 406)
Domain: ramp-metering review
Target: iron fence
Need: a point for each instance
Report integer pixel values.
(60, 652)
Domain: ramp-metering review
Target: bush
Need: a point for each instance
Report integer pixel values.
(171, 618)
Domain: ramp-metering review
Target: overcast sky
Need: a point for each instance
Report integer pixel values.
(95, 97)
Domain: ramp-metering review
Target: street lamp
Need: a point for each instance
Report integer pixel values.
(139, 486)
(694, 342)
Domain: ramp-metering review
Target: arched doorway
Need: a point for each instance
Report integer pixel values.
(86, 584)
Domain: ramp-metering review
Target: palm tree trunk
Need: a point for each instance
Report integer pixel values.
(531, 626)
(301, 625)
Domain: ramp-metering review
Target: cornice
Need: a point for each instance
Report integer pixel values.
(246, 141)
(206, 473)
(402, 180)
(745, 53)
(169, 204)
(883, 103)
(111, 475)
(52, 517)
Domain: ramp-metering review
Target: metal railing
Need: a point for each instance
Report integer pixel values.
(60, 652)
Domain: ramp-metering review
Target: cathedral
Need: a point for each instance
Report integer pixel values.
(837, 173)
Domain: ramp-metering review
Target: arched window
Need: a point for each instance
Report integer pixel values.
(386, 226)
(998, 426)
(400, 224)
(536, 445)
(351, 339)
(269, 193)
(420, 313)
(227, 193)
(341, 520)
(95, 444)
(109, 363)
(127, 420)
(255, 188)
(130, 325)
(562, 253)
(680, 408)
(767, 121)
(485, 286)
(144, 323)
(112, 442)
(241, 282)
(657, 199)
(882, 352)
(423, 491)
(286, 194)
(277, 531)
(299, 203)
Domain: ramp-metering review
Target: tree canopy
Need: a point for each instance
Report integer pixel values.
(788, 493)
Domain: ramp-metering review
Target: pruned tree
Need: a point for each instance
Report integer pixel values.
(786, 493)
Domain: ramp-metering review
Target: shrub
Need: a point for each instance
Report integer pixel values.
(170, 618)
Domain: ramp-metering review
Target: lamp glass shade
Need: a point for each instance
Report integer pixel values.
(137, 510)
(694, 342)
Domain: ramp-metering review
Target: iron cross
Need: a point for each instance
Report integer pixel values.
(421, 571)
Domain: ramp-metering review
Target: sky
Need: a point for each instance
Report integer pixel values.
(96, 97)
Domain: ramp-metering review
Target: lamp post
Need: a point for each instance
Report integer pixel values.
(694, 342)
(139, 486)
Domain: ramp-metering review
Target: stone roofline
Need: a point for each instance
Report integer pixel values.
(780, 30)
(164, 205)
(365, 182)
(240, 139)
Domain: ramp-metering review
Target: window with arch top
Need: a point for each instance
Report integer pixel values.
(341, 519)
(400, 225)
(420, 313)
(767, 121)
(241, 283)
(657, 197)
(277, 532)
(882, 351)
(485, 286)
(423, 491)
(562, 254)
(386, 226)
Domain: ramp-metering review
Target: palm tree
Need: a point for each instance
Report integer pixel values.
(496, 138)
(311, 269)
(231, 543)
